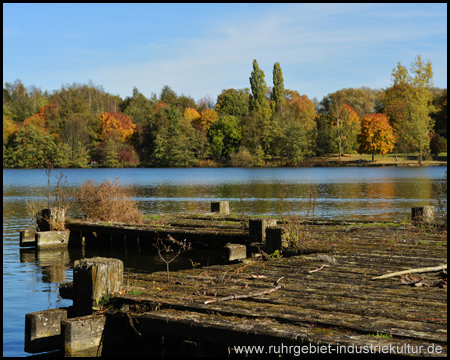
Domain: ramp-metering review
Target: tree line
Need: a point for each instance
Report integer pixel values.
(82, 124)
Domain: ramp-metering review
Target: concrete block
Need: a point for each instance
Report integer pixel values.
(82, 336)
(27, 238)
(222, 207)
(43, 330)
(235, 252)
(52, 238)
(276, 239)
(257, 229)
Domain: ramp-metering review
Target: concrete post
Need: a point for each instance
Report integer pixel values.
(222, 207)
(257, 229)
(422, 214)
(276, 239)
(93, 278)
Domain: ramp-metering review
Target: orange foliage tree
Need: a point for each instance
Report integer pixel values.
(115, 122)
(39, 120)
(376, 135)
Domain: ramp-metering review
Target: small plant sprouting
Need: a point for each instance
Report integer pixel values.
(103, 303)
(166, 247)
(275, 255)
(194, 264)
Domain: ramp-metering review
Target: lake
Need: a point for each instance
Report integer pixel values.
(30, 279)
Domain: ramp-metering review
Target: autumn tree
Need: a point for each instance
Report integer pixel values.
(376, 135)
(191, 115)
(116, 122)
(207, 118)
(418, 124)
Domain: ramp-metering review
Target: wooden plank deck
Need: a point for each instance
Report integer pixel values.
(339, 305)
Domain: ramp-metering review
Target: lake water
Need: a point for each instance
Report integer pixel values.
(30, 279)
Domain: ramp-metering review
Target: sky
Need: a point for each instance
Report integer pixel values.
(200, 49)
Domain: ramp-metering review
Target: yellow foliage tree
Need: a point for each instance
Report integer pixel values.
(207, 118)
(191, 115)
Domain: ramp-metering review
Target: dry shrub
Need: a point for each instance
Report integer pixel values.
(51, 216)
(107, 201)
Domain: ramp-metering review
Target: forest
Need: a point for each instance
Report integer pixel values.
(82, 125)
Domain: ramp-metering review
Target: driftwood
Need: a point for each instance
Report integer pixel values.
(244, 296)
(312, 271)
(410, 271)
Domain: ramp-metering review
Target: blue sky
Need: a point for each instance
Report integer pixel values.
(200, 49)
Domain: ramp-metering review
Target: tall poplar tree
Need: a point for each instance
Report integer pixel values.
(277, 96)
(260, 105)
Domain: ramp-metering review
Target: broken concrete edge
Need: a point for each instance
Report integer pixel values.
(27, 238)
(43, 330)
(235, 252)
(52, 238)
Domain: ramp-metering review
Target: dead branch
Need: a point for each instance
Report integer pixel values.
(410, 271)
(243, 296)
(311, 271)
